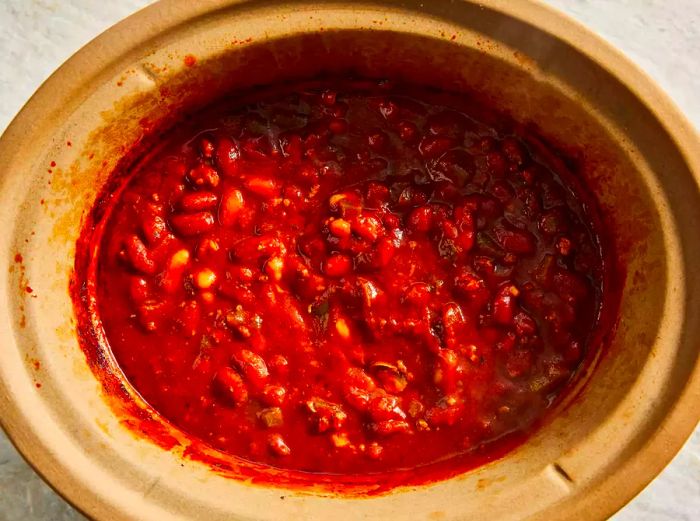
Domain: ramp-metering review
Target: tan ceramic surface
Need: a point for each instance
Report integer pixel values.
(640, 156)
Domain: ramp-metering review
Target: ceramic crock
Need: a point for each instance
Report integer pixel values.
(632, 410)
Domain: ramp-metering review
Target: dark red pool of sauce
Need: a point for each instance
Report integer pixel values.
(349, 278)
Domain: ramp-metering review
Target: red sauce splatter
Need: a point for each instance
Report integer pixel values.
(367, 282)
(190, 60)
(53, 164)
(28, 289)
(18, 257)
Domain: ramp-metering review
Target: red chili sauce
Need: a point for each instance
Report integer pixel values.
(349, 279)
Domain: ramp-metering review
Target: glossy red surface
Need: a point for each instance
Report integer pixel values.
(349, 278)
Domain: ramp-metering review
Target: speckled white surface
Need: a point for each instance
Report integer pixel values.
(663, 36)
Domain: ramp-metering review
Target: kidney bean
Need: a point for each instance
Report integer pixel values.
(340, 228)
(524, 324)
(252, 367)
(502, 191)
(279, 365)
(238, 292)
(445, 374)
(449, 229)
(357, 398)
(337, 265)
(312, 247)
(506, 344)
(294, 319)
(544, 272)
(496, 164)
(150, 314)
(411, 196)
(470, 284)
(385, 407)
(464, 221)
(229, 386)
(203, 175)
(255, 247)
(570, 286)
(421, 219)
(175, 168)
(357, 377)
(408, 132)
(328, 98)
(206, 147)
(197, 201)
(192, 223)
(139, 290)
(448, 123)
(515, 241)
(139, 256)
(368, 227)
(154, 229)
(263, 186)
(228, 156)
(338, 126)
(453, 322)
(504, 305)
(274, 395)
(432, 147)
(573, 352)
(384, 251)
(377, 195)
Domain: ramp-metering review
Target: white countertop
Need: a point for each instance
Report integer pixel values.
(663, 36)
